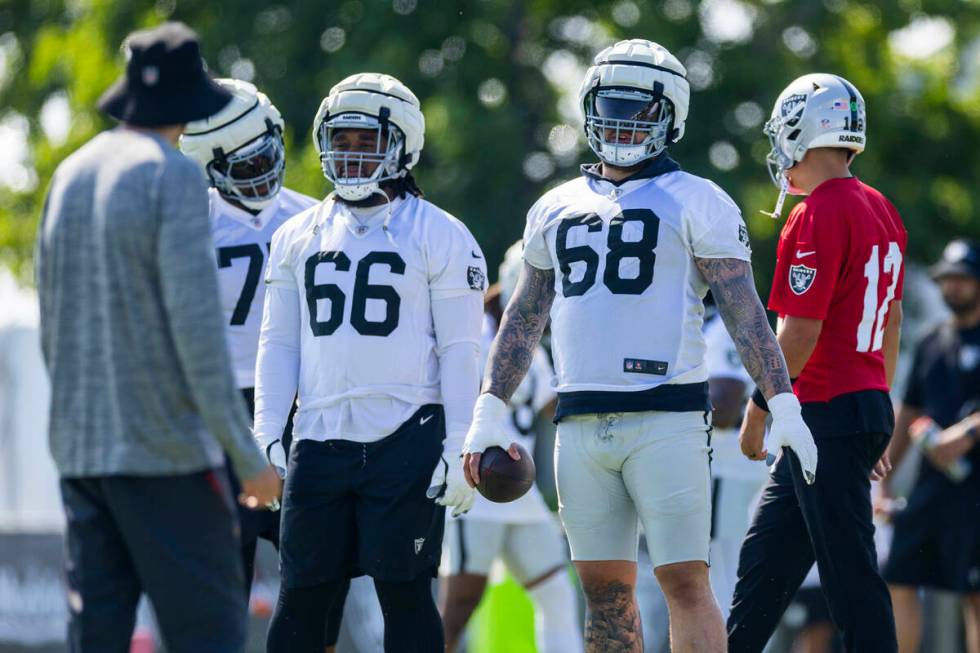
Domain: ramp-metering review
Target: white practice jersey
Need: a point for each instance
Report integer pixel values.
(724, 362)
(627, 313)
(532, 395)
(241, 243)
(367, 345)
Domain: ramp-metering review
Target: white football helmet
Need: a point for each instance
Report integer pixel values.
(815, 110)
(368, 101)
(634, 86)
(240, 147)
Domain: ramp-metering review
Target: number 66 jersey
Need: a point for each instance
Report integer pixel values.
(627, 314)
(357, 288)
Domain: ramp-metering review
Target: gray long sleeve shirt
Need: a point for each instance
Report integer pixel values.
(131, 327)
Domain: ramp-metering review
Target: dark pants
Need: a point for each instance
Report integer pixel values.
(174, 538)
(829, 522)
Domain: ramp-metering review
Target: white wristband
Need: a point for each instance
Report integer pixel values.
(489, 409)
(783, 404)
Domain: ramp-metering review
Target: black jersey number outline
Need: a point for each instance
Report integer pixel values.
(253, 252)
(619, 249)
(363, 291)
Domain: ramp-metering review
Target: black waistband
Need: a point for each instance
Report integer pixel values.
(865, 411)
(673, 398)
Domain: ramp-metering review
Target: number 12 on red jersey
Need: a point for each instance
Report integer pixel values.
(871, 330)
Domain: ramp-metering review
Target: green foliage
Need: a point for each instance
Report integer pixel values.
(489, 74)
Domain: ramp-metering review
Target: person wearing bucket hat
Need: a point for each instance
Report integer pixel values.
(937, 536)
(166, 82)
(144, 406)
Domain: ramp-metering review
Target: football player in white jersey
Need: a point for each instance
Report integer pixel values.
(736, 480)
(621, 257)
(242, 152)
(373, 311)
(523, 533)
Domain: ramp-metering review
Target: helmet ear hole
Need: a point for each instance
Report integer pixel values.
(793, 135)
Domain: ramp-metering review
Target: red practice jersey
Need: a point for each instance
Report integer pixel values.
(840, 260)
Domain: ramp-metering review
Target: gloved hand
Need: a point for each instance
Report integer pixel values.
(789, 430)
(448, 486)
(486, 431)
(276, 456)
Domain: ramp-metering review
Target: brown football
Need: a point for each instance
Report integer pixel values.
(502, 478)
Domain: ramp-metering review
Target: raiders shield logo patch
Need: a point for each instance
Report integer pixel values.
(743, 237)
(801, 278)
(475, 277)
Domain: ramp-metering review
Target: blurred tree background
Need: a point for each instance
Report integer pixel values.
(498, 81)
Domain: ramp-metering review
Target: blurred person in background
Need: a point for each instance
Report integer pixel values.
(937, 535)
(735, 480)
(837, 289)
(524, 532)
(242, 153)
(144, 406)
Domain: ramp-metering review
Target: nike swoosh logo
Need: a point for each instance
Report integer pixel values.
(424, 420)
(800, 254)
(474, 254)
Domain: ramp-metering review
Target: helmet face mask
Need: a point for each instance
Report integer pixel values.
(626, 126)
(369, 129)
(253, 174)
(358, 152)
(635, 97)
(817, 110)
(240, 148)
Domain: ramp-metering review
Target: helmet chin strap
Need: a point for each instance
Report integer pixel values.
(389, 212)
(783, 189)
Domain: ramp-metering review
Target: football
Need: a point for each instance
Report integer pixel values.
(502, 478)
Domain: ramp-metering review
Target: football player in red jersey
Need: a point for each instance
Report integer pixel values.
(838, 292)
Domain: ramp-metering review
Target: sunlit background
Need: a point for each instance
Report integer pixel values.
(498, 81)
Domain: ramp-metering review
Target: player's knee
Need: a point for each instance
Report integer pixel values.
(685, 584)
(609, 595)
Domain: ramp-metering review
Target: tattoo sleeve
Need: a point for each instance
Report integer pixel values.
(738, 302)
(612, 622)
(520, 330)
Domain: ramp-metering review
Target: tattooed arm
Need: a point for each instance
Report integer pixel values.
(510, 357)
(520, 331)
(738, 302)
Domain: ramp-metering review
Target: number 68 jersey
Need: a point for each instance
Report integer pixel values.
(367, 345)
(627, 314)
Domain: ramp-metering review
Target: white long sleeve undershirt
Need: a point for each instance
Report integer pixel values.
(456, 321)
(277, 364)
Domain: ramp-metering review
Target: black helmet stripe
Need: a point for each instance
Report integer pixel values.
(853, 124)
(642, 65)
(232, 121)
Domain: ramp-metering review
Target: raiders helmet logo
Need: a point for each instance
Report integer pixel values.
(789, 106)
(475, 277)
(801, 278)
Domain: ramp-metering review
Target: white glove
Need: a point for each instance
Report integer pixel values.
(276, 456)
(448, 485)
(789, 430)
(486, 431)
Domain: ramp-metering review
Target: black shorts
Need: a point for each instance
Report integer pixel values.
(936, 541)
(351, 509)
